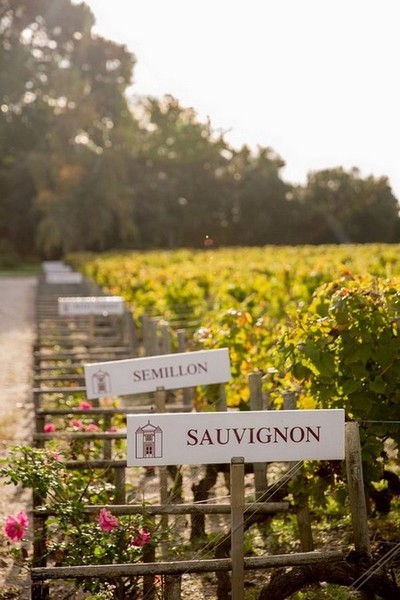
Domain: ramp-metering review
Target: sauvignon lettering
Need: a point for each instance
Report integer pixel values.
(169, 371)
(253, 435)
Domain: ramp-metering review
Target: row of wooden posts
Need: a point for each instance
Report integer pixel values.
(65, 344)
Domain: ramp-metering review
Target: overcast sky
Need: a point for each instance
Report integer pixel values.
(317, 80)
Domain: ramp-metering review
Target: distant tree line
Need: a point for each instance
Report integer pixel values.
(85, 167)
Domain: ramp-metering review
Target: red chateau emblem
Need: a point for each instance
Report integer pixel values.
(149, 441)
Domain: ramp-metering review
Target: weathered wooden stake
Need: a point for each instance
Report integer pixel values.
(256, 403)
(172, 587)
(303, 515)
(355, 484)
(154, 344)
(221, 402)
(160, 397)
(92, 330)
(149, 556)
(182, 347)
(166, 346)
(237, 527)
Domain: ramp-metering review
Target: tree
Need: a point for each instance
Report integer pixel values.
(264, 211)
(181, 161)
(65, 111)
(341, 206)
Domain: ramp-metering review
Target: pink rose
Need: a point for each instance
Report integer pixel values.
(15, 527)
(92, 427)
(84, 405)
(142, 538)
(107, 520)
(55, 456)
(76, 424)
(49, 428)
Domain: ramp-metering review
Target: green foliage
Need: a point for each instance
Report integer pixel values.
(63, 131)
(244, 299)
(344, 352)
(309, 319)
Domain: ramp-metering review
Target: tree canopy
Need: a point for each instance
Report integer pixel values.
(85, 167)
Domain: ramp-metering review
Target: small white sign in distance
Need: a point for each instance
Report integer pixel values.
(167, 371)
(257, 436)
(55, 265)
(63, 277)
(91, 305)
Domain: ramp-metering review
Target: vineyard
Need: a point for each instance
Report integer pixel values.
(279, 311)
(306, 328)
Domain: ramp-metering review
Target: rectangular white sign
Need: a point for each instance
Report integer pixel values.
(168, 371)
(55, 265)
(257, 436)
(63, 277)
(91, 305)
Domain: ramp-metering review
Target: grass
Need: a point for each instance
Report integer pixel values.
(23, 270)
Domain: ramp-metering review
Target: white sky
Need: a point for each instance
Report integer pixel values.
(317, 80)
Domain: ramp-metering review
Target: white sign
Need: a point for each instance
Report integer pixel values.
(63, 277)
(257, 436)
(168, 371)
(55, 265)
(91, 305)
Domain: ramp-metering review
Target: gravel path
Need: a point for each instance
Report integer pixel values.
(17, 333)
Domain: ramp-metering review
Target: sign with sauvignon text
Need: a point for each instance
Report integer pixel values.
(168, 371)
(258, 436)
(91, 305)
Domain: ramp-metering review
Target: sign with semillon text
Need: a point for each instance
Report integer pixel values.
(167, 371)
(257, 436)
(91, 305)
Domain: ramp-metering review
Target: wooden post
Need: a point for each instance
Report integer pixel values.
(237, 527)
(160, 396)
(40, 589)
(355, 484)
(145, 333)
(149, 587)
(221, 403)
(119, 479)
(91, 330)
(187, 392)
(172, 587)
(256, 403)
(302, 508)
(107, 444)
(166, 346)
(154, 346)
(130, 335)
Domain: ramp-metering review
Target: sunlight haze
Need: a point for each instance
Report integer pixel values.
(316, 81)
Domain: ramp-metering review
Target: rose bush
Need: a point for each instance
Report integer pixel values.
(76, 535)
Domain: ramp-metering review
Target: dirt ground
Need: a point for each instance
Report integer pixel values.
(17, 332)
